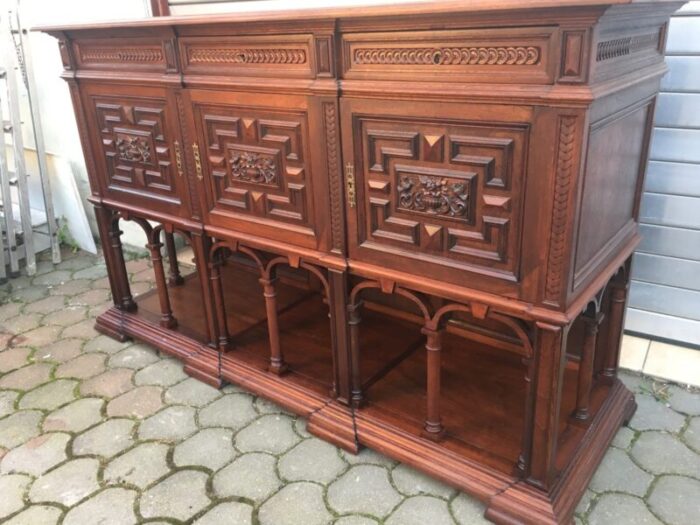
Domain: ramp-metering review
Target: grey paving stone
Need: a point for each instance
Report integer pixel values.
(83, 366)
(50, 396)
(134, 357)
(191, 392)
(654, 415)
(165, 372)
(140, 402)
(19, 428)
(30, 294)
(300, 427)
(355, 520)
(67, 484)
(9, 310)
(272, 433)
(69, 288)
(140, 466)
(93, 272)
(618, 473)
(105, 344)
(108, 384)
(585, 502)
(59, 351)
(468, 511)
(37, 455)
(27, 378)
(211, 448)
(36, 515)
(38, 337)
(113, 506)
(420, 510)
(364, 489)
(22, 323)
(51, 278)
(76, 417)
(311, 460)
(171, 424)
(106, 440)
(692, 434)
(13, 359)
(623, 438)
(7, 402)
(251, 476)
(179, 496)
(263, 406)
(45, 306)
(413, 483)
(684, 401)
(676, 500)
(233, 411)
(367, 456)
(66, 316)
(661, 453)
(82, 330)
(230, 513)
(621, 509)
(12, 489)
(296, 504)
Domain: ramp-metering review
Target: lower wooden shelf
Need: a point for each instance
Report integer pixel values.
(482, 395)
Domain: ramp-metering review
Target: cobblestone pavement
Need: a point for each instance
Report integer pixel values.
(95, 431)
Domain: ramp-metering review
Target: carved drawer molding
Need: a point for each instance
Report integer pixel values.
(146, 54)
(512, 55)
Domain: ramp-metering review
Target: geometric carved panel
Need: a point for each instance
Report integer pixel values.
(449, 191)
(256, 161)
(135, 146)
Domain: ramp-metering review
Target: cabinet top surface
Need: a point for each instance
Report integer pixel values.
(411, 8)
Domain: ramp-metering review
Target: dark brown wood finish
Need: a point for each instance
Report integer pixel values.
(411, 224)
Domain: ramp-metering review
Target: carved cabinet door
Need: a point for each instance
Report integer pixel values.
(258, 172)
(137, 146)
(436, 189)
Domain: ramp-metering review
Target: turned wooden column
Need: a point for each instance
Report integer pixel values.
(174, 276)
(201, 244)
(277, 364)
(218, 293)
(166, 313)
(618, 302)
(354, 319)
(114, 258)
(338, 314)
(585, 369)
(433, 346)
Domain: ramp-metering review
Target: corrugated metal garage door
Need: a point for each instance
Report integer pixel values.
(665, 294)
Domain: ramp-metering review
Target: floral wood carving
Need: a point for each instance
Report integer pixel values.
(449, 56)
(252, 167)
(133, 149)
(247, 56)
(434, 195)
(121, 54)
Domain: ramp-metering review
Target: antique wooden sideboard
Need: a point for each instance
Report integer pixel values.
(411, 224)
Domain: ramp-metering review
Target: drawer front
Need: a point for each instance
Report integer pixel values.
(257, 169)
(438, 192)
(513, 55)
(137, 133)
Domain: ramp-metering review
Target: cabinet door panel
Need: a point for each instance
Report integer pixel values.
(439, 190)
(137, 130)
(256, 165)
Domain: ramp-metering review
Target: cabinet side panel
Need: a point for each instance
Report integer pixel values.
(615, 163)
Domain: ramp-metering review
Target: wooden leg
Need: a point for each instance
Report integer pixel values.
(618, 301)
(550, 356)
(166, 314)
(114, 256)
(277, 364)
(433, 422)
(174, 277)
(218, 293)
(201, 245)
(526, 447)
(338, 291)
(585, 370)
(356, 396)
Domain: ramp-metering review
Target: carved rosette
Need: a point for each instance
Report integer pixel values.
(449, 56)
(434, 195)
(133, 149)
(253, 167)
